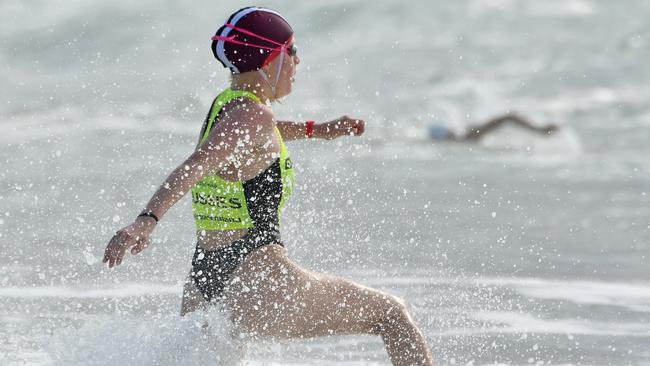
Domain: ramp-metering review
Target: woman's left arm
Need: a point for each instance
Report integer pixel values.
(343, 126)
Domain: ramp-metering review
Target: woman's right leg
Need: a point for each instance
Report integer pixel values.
(272, 296)
(192, 299)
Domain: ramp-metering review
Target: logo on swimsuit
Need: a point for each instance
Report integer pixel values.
(216, 201)
(288, 164)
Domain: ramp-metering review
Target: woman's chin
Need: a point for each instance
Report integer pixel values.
(286, 91)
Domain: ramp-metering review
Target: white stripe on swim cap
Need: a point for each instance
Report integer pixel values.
(220, 44)
(221, 52)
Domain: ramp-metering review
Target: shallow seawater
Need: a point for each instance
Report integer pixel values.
(517, 250)
(467, 320)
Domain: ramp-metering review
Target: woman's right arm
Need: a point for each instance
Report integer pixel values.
(179, 181)
(230, 141)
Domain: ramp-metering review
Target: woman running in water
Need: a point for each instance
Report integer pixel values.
(241, 176)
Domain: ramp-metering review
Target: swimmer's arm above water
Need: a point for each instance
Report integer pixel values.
(233, 139)
(478, 131)
(343, 126)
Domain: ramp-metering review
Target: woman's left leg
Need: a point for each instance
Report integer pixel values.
(270, 296)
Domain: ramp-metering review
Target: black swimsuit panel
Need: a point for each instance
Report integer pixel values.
(212, 269)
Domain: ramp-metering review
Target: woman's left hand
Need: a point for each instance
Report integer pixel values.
(343, 126)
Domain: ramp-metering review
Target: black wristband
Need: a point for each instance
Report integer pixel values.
(149, 214)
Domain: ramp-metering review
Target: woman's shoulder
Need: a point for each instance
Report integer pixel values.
(247, 116)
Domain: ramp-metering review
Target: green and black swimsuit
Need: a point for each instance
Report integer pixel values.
(255, 205)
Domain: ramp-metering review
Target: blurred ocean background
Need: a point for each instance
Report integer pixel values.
(518, 250)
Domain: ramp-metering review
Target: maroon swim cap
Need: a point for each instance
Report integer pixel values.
(249, 37)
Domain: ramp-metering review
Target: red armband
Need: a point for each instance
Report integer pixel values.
(309, 129)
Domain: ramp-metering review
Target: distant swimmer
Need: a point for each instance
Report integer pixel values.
(477, 132)
(241, 178)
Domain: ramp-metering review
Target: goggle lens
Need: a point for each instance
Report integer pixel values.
(292, 50)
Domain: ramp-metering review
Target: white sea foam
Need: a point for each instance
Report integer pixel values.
(632, 296)
(70, 123)
(561, 8)
(516, 322)
(196, 339)
(563, 144)
(125, 290)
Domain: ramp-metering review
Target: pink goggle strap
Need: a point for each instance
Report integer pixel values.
(253, 34)
(232, 39)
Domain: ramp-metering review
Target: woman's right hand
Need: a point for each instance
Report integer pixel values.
(134, 236)
(342, 126)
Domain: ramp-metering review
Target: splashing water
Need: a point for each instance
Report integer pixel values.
(201, 338)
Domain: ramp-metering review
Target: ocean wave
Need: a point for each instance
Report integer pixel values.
(520, 322)
(124, 290)
(631, 296)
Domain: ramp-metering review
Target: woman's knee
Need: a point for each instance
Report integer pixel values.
(394, 314)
